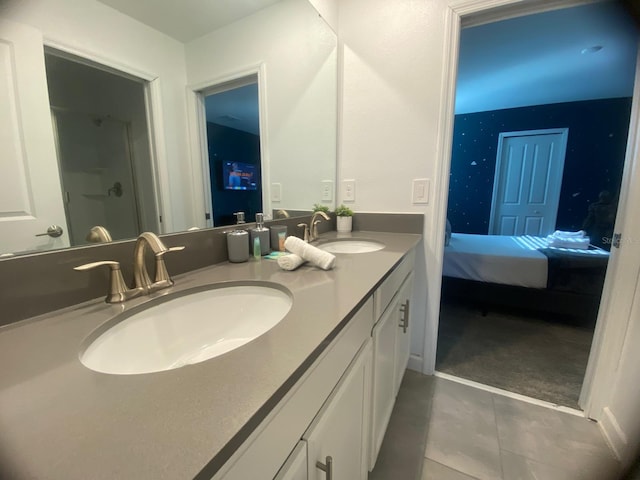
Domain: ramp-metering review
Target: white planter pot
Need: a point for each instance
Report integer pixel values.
(344, 224)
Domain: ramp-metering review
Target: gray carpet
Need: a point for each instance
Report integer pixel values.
(531, 354)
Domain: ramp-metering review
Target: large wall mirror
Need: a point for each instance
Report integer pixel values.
(120, 117)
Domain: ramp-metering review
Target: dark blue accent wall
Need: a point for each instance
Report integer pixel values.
(229, 144)
(594, 159)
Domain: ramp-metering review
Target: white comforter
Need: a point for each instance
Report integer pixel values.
(496, 259)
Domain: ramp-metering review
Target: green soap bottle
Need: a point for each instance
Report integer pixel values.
(261, 233)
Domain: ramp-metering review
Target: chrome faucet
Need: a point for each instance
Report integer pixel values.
(142, 284)
(313, 225)
(141, 277)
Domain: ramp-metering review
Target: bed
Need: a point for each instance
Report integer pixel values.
(523, 270)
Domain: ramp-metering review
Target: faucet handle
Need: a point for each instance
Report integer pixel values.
(162, 275)
(118, 291)
(306, 231)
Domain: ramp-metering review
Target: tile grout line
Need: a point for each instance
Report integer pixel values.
(508, 394)
(495, 418)
(451, 468)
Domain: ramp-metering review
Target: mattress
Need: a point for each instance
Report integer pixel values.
(495, 259)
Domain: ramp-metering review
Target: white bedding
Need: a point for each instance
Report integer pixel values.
(496, 259)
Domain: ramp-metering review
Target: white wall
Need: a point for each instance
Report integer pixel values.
(328, 9)
(392, 66)
(396, 112)
(91, 29)
(298, 52)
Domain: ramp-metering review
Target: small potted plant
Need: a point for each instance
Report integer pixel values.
(317, 207)
(344, 219)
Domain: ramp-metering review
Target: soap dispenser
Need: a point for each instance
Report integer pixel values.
(261, 232)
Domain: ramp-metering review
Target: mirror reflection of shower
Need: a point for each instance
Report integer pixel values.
(103, 149)
(233, 146)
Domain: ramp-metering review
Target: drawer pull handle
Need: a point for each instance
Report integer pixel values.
(327, 467)
(404, 321)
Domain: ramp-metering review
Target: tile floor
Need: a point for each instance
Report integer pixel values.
(444, 430)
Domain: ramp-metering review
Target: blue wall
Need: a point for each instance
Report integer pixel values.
(229, 144)
(594, 160)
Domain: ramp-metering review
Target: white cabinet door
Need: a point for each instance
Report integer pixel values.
(403, 331)
(295, 468)
(30, 194)
(384, 355)
(337, 438)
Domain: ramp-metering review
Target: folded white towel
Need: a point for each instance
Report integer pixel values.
(562, 234)
(290, 262)
(569, 242)
(320, 258)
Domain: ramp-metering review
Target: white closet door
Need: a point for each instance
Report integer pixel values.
(528, 178)
(30, 193)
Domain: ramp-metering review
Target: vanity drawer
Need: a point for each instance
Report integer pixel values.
(384, 294)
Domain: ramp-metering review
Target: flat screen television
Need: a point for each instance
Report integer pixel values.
(239, 176)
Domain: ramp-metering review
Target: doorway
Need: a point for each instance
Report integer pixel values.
(474, 219)
(100, 127)
(231, 112)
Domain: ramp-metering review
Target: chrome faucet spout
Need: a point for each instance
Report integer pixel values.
(313, 224)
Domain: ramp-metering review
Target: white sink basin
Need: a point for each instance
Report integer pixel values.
(351, 246)
(185, 328)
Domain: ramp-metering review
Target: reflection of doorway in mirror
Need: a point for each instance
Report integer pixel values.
(232, 113)
(103, 149)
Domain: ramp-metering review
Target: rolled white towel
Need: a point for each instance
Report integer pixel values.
(320, 258)
(290, 262)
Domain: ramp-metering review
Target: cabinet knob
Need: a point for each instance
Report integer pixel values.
(326, 467)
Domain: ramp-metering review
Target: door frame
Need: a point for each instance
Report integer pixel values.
(197, 124)
(497, 176)
(603, 358)
(152, 90)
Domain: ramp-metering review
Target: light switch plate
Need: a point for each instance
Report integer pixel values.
(420, 191)
(348, 190)
(327, 190)
(276, 192)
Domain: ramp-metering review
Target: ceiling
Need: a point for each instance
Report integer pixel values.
(235, 108)
(531, 60)
(538, 59)
(186, 20)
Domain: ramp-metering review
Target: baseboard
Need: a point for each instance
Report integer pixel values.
(507, 393)
(415, 363)
(613, 434)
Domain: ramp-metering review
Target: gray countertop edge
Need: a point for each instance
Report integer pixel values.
(366, 272)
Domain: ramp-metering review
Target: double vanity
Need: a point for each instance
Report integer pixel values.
(297, 377)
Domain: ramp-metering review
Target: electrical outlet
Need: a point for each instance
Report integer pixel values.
(276, 192)
(420, 191)
(348, 190)
(327, 190)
